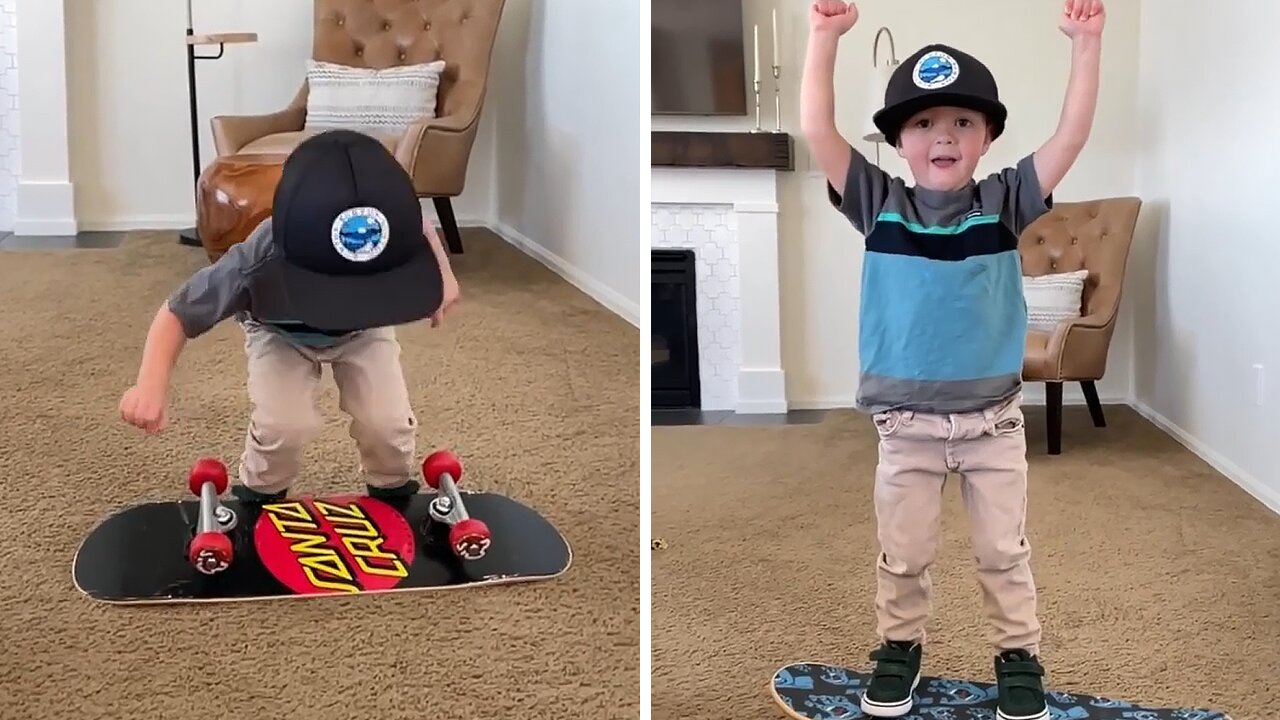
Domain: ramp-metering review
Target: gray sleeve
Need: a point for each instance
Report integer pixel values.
(1017, 192)
(214, 293)
(865, 189)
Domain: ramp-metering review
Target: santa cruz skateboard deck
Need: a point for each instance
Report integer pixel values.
(817, 691)
(218, 548)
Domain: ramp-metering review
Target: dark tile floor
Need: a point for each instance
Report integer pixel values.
(84, 240)
(691, 416)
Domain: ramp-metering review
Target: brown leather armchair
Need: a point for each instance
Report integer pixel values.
(1094, 235)
(375, 34)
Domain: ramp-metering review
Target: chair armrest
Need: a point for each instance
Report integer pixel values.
(232, 132)
(1077, 348)
(443, 144)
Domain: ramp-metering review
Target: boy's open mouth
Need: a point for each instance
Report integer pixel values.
(944, 161)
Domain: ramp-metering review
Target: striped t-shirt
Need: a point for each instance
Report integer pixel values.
(942, 320)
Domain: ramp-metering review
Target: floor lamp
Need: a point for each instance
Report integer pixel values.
(879, 84)
(191, 236)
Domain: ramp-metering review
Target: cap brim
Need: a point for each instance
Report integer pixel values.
(406, 294)
(891, 119)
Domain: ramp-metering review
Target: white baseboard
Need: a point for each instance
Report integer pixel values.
(607, 297)
(45, 208)
(137, 223)
(1267, 496)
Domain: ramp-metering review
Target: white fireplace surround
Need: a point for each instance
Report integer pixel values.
(729, 219)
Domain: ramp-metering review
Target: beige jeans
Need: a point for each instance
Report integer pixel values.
(283, 378)
(988, 450)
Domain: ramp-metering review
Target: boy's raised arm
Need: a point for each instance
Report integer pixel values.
(1082, 21)
(818, 106)
(855, 186)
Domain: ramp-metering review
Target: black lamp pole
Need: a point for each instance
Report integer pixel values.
(191, 236)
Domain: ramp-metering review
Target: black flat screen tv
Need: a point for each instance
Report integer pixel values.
(699, 58)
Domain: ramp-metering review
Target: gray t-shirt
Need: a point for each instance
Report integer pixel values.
(942, 321)
(240, 284)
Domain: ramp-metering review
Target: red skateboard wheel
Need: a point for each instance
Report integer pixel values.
(210, 552)
(438, 463)
(469, 539)
(207, 470)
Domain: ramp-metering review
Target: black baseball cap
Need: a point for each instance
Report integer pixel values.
(934, 76)
(347, 226)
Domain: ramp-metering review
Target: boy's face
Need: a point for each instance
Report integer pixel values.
(942, 146)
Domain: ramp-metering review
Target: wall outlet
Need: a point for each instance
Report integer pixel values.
(1259, 384)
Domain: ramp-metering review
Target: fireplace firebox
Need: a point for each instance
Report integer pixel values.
(674, 369)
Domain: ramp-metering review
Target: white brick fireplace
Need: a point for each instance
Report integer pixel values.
(729, 219)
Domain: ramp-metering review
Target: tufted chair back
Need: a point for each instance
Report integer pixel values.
(1094, 235)
(386, 33)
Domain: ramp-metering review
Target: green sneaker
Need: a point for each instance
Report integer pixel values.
(410, 487)
(249, 496)
(894, 679)
(1021, 689)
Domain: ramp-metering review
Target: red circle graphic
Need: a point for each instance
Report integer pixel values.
(346, 543)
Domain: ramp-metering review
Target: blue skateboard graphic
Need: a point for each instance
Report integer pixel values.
(818, 691)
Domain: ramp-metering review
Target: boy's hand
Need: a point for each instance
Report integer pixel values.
(451, 292)
(143, 406)
(451, 297)
(832, 16)
(1082, 18)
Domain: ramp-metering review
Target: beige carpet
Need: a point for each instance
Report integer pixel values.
(533, 384)
(1159, 579)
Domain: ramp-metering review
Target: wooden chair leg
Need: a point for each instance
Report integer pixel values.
(1095, 405)
(452, 237)
(1053, 407)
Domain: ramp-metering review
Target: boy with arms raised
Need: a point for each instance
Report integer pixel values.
(942, 332)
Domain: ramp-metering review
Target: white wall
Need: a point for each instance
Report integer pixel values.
(130, 127)
(569, 126)
(1201, 282)
(820, 253)
(9, 156)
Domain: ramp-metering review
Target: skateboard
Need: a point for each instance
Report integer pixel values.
(818, 691)
(222, 549)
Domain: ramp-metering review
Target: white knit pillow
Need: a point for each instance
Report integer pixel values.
(1053, 298)
(369, 100)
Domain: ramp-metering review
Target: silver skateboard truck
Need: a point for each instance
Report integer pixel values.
(210, 549)
(468, 537)
(448, 507)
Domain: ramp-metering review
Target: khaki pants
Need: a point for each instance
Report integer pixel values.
(283, 378)
(988, 449)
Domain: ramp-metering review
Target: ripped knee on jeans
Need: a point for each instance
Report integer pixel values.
(1001, 555)
(908, 563)
(283, 435)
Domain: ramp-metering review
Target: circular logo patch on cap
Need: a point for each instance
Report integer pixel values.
(360, 234)
(935, 70)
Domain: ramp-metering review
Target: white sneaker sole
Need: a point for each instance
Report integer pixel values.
(1042, 715)
(875, 709)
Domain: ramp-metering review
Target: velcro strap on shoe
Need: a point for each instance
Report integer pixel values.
(1021, 668)
(892, 671)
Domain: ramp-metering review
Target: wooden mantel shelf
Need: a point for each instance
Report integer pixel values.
(741, 150)
(222, 38)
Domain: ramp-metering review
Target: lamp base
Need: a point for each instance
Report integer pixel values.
(189, 237)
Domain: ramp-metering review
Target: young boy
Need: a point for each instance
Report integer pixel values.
(341, 260)
(942, 333)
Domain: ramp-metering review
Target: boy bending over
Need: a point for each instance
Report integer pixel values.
(341, 260)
